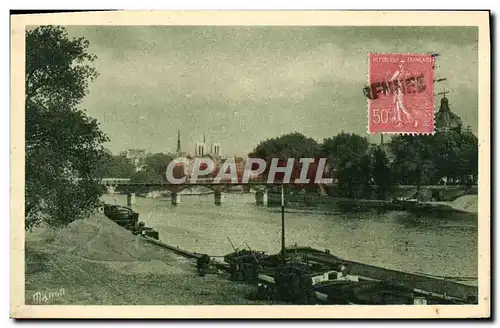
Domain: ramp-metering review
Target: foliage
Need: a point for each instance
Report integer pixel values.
(293, 145)
(158, 163)
(155, 167)
(468, 158)
(425, 159)
(116, 166)
(146, 175)
(357, 168)
(350, 163)
(381, 172)
(63, 145)
(446, 154)
(413, 163)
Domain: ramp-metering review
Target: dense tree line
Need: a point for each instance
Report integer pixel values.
(360, 169)
(446, 157)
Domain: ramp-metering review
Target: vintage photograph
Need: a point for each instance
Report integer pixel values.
(206, 164)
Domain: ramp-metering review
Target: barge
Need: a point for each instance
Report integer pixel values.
(310, 276)
(337, 281)
(129, 219)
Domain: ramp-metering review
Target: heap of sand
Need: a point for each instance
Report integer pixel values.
(96, 261)
(98, 238)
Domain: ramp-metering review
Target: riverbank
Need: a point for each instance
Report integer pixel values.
(467, 203)
(95, 261)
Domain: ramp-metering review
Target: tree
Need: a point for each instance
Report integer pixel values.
(116, 166)
(350, 162)
(158, 163)
(293, 145)
(64, 146)
(146, 175)
(381, 172)
(428, 159)
(414, 159)
(446, 154)
(155, 168)
(468, 158)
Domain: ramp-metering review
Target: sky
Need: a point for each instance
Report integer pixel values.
(242, 85)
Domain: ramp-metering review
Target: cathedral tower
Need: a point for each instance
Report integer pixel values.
(178, 141)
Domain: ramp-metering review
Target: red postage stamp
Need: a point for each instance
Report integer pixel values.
(400, 93)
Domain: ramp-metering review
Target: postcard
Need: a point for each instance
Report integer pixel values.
(250, 164)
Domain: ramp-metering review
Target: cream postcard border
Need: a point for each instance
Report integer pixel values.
(227, 18)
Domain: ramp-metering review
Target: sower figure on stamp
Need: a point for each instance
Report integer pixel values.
(396, 78)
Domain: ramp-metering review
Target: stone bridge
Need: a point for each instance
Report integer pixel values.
(260, 186)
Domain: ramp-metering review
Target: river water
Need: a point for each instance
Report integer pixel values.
(437, 244)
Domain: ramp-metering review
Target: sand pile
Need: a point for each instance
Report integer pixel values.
(98, 262)
(95, 244)
(466, 203)
(99, 238)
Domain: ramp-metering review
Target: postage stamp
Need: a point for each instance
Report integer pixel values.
(401, 93)
(167, 160)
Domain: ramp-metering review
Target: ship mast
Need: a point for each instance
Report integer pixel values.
(283, 223)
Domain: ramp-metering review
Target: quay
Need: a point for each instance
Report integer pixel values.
(437, 288)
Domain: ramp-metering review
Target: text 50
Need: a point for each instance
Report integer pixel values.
(380, 115)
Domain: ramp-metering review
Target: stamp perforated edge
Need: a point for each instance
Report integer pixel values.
(368, 100)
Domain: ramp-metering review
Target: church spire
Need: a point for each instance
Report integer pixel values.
(178, 141)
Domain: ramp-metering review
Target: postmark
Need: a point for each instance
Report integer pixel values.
(400, 93)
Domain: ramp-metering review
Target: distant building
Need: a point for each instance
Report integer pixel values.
(202, 149)
(216, 149)
(178, 141)
(136, 157)
(199, 149)
(445, 120)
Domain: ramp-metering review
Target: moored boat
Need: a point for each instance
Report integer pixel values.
(337, 281)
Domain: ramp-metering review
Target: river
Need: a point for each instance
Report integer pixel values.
(439, 245)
